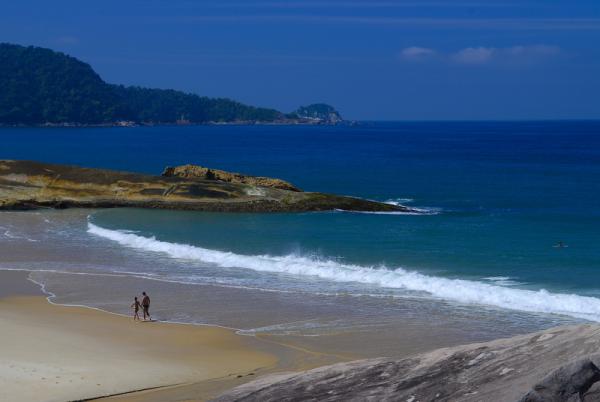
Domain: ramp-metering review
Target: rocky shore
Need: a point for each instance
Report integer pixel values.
(30, 185)
(559, 364)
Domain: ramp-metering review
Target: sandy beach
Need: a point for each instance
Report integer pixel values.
(57, 353)
(58, 350)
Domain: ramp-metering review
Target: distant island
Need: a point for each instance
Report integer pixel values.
(39, 86)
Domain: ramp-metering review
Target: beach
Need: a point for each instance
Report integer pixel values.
(56, 353)
(53, 352)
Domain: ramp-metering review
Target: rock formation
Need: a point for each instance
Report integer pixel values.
(27, 185)
(199, 172)
(568, 383)
(320, 113)
(559, 364)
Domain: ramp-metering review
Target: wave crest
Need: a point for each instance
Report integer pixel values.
(457, 290)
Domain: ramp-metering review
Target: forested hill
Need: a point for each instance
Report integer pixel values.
(41, 86)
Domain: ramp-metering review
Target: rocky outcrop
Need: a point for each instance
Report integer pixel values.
(199, 172)
(559, 364)
(28, 185)
(568, 383)
(320, 113)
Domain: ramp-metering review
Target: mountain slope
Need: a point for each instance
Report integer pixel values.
(39, 86)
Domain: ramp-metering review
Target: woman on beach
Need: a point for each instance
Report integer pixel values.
(136, 309)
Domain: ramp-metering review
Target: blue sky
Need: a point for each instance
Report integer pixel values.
(373, 60)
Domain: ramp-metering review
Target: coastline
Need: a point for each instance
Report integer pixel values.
(56, 240)
(247, 329)
(125, 124)
(50, 352)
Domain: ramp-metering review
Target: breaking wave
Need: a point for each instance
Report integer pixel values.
(456, 290)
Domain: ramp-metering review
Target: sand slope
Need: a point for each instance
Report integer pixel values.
(55, 353)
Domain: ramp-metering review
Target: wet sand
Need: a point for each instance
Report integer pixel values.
(57, 353)
(52, 352)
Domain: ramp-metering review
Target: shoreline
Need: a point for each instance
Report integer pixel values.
(47, 340)
(128, 124)
(84, 332)
(53, 352)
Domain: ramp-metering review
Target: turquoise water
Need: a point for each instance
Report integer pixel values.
(498, 196)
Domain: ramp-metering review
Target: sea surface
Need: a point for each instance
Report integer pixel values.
(495, 200)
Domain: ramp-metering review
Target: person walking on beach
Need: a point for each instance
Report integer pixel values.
(146, 306)
(136, 308)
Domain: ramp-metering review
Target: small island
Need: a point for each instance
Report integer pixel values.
(30, 185)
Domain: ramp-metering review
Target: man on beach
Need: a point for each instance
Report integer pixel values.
(146, 306)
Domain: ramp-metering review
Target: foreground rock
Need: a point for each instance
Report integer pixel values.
(29, 185)
(199, 172)
(559, 364)
(568, 383)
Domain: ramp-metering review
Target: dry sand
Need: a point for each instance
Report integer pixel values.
(58, 353)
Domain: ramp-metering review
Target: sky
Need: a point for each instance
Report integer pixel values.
(372, 60)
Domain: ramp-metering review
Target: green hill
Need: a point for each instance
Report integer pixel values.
(39, 86)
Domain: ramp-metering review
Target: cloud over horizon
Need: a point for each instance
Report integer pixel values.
(416, 53)
(482, 55)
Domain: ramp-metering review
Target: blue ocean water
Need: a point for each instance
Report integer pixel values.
(498, 197)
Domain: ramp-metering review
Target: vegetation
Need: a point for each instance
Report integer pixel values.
(318, 111)
(39, 86)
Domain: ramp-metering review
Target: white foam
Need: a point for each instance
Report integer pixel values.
(10, 235)
(399, 201)
(458, 290)
(413, 211)
(502, 280)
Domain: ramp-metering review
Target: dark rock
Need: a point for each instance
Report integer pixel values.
(567, 383)
(593, 394)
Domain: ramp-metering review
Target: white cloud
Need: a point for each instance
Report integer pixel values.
(482, 55)
(416, 53)
(474, 55)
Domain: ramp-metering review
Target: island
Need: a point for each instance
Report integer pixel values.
(29, 185)
(41, 87)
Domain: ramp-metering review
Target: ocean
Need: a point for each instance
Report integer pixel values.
(495, 200)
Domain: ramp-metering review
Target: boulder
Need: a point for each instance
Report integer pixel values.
(567, 383)
(204, 173)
